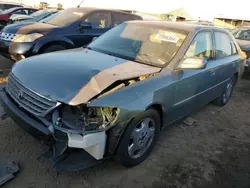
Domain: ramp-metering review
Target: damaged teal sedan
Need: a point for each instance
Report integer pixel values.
(112, 98)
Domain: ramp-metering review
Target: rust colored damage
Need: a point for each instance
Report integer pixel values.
(127, 71)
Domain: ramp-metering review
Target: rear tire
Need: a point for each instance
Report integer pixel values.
(54, 48)
(139, 139)
(3, 23)
(224, 98)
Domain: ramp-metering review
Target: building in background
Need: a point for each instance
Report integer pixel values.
(179, 14)
(230, 22)
(176, 15)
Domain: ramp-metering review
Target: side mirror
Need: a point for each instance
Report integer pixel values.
(85, 25)
(193, 63)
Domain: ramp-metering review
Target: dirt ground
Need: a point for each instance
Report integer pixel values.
(214, 152)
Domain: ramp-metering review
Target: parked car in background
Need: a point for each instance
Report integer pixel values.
(5, 15)
(242, 36)
(34, 17)
(200, 22)
(71, 28)
(7, 5)
(112, 98)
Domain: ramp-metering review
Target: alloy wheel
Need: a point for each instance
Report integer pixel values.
(141, 137)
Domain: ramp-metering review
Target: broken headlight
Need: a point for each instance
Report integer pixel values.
(85, 118)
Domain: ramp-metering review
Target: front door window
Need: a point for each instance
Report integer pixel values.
(201, 46)
(99, 20)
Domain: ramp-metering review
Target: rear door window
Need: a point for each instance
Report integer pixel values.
(31, 11)
(118, 18)
(99, 19)
(223, 45)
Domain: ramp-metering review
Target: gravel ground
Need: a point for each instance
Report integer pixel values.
(5, 66)
(213, 152)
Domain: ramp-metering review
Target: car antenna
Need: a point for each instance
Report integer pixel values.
(80, 4)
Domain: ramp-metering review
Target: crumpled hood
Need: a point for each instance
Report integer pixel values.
(75, 76)
(28, 28)
(244, 44)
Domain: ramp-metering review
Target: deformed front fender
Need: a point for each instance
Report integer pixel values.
(138, 97)
(131, 101)
(55, 39)
(128, 101)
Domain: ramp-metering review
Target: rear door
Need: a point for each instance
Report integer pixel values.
(100, 21)
(227, 60)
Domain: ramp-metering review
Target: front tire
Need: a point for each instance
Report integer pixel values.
(139, 139)
(228, 90)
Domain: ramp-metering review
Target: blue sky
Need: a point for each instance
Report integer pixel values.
(205, 9)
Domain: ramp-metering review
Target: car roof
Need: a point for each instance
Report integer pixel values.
(199, 22)
(188, 27)
(90, 9)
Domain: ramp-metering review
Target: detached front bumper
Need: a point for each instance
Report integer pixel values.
(71, 151)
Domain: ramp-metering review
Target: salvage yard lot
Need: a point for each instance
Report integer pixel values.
(213, 152)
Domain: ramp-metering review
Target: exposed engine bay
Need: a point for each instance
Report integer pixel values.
(85, 126)
(83, 118)
(121, 84)
(87, 119)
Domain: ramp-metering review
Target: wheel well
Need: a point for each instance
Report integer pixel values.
(159, 109)
(60, 43)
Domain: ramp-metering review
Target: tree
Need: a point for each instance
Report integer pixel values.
(43, 5)
(59, 6)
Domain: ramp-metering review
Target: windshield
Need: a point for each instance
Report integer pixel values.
(50, 17)
(141, 43)
(39, 13)
(242, 34)
(8, 11)
(67, 17)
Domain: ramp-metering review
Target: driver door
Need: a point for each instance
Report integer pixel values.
(192, 86)
(100, 23)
